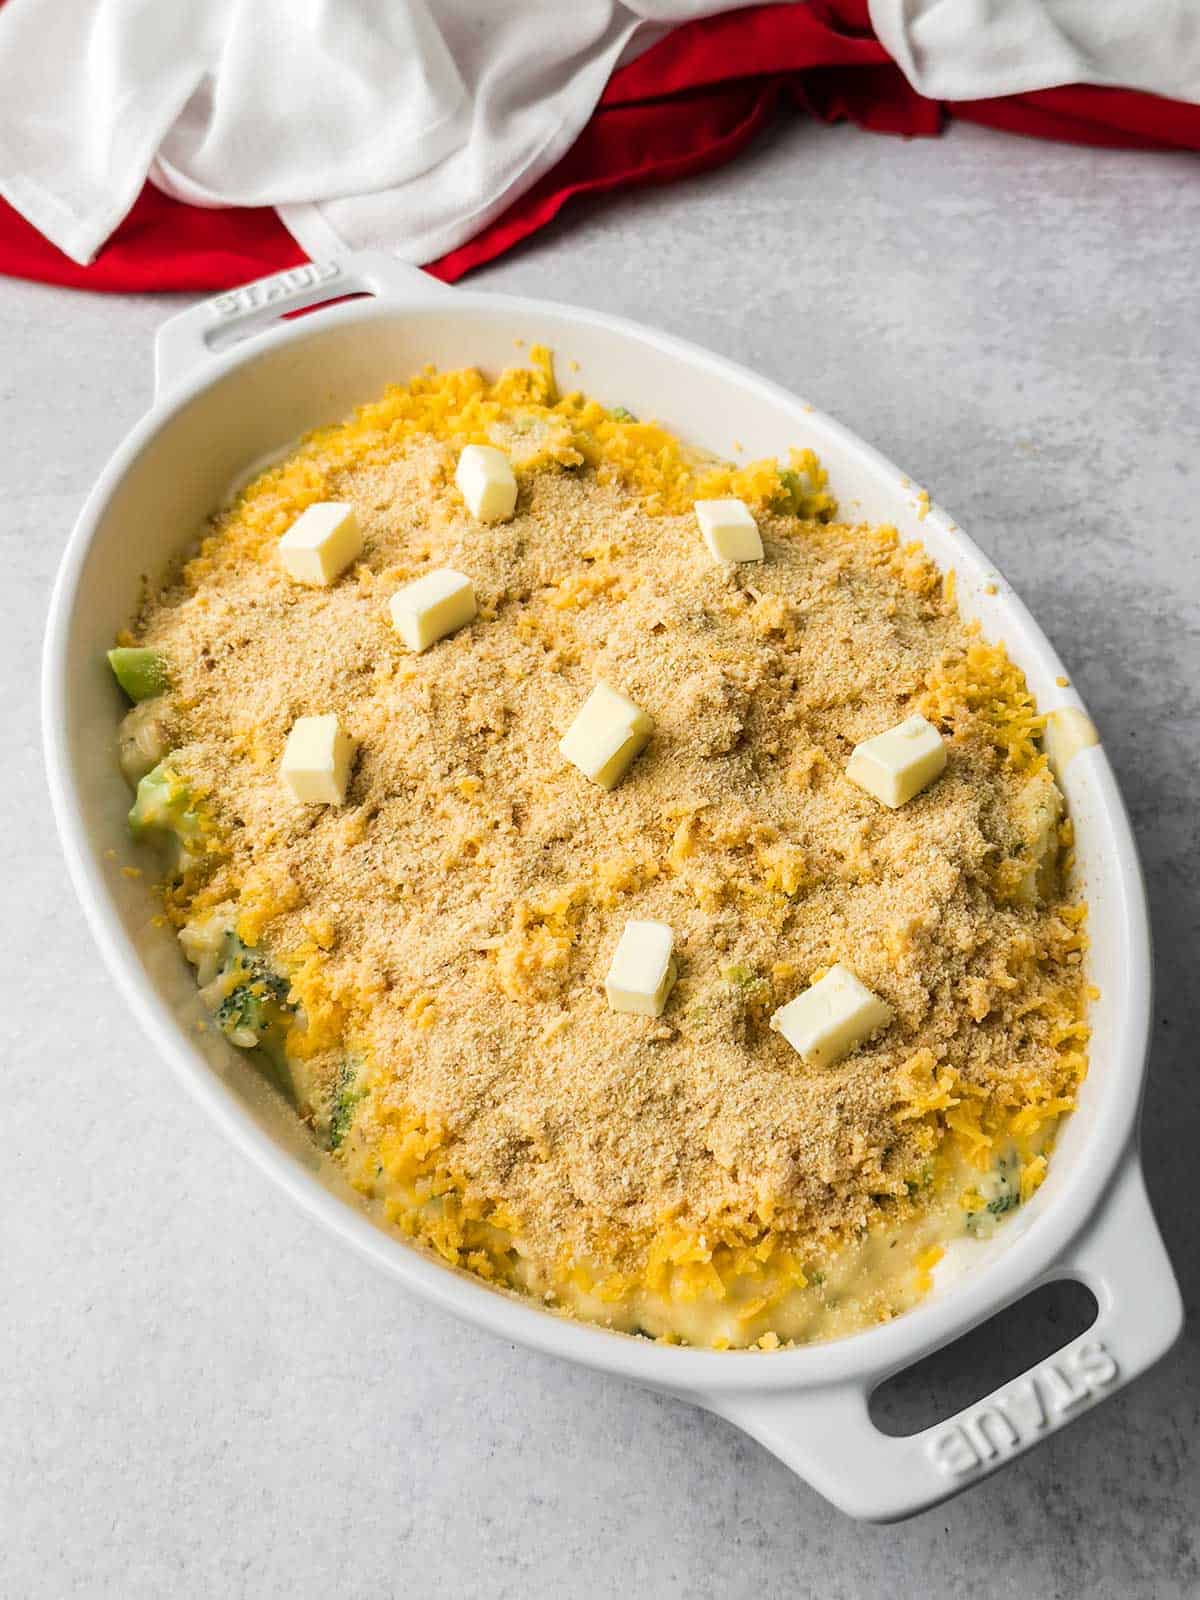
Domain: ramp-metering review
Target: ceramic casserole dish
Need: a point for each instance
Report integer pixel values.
(234, 385)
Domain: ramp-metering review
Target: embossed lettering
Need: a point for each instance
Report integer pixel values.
(991, 1432)
(953, 1452)
(1095, 1365)
(1063, 1394)
(1015, 1415)
(1024, 1402)
(282, 286)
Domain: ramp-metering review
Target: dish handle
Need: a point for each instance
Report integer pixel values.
(184, 342)
(827, 1436)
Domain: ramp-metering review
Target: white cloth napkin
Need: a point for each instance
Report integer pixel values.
(406, 124)
(977, 49)
(409, 124)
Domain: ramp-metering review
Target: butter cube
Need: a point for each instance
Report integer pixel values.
(642, 969)
(730, 532)
(828, 1020)
(897, 764)
(485, 481)
(316, 761)
(606, 735)
(321, 543)
(429, 608)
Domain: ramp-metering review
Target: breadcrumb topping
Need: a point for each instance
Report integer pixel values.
(448, 930)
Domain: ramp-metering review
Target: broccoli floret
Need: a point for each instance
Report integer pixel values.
(254, 1005)
(1003, 1194)
(162, 804)
(255, 1012)
(141, 673)
(802, 489)
(620, 414)
(346, 1097)
(794, 489)
(153, 800)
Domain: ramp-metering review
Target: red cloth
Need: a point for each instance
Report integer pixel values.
(690, 102)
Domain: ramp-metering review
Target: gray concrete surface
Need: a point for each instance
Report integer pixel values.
(201, 1395)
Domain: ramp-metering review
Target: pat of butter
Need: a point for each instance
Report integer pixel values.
(485, 481)
(321, 543)
(730, 532)
(316, 761)
(827, 1021)
(897, 764)
(642, 969)
(429, 608)
(606, 735)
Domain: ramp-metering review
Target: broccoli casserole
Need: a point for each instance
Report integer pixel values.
(648, 889)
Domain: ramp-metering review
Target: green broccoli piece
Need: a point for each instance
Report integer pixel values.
(792, 489)
(1007, 1198)
(141, 673)
(620, 414)
(255, 1004)
(346, 1097)
(154, 801)
(255, 1013)
(162, 805)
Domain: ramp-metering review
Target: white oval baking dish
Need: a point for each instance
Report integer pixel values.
(219, 408)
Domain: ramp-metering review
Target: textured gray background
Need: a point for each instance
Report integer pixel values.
(202, 1395)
